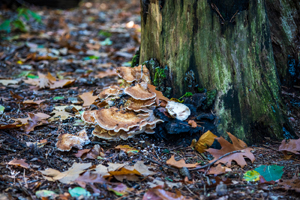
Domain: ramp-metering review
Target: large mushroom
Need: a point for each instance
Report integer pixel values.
(140, 92)
(138, 105)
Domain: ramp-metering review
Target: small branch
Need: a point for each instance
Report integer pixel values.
(210, 164)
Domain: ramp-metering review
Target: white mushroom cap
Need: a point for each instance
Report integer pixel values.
(178, 110)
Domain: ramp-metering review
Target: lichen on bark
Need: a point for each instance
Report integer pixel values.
(234, 56)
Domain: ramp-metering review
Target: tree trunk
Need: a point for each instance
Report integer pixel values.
(284, 17)
(227, 45)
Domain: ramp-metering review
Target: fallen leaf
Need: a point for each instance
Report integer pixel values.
(33, 102)
(228, 147)
(89, 178)
(78, 191)
(107, 73)
(291, 145)
(92, 153)
(291, 184)
(67, 141)
(217, 170)
(35, 120)
(88, 98)
(270, 172)
(159, 94)
(179, 164)
(157, 193)
(45, 194)
(119, 189)
(205, 141)
(68, 176)
(127, 149)
(7, 82)
(251, 175)
(19, 163)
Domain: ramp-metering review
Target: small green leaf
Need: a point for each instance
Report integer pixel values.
(91, 57)
(270, 172)
(2, 109)
(105, 33)
(58, 98)
(126, 64)
(5, 26)
(35, 16)
(45, 193)
(32, 76)
(251, 175)
(79, 191)
(107, 41)
(19, 24)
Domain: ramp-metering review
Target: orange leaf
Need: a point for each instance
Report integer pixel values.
(206, 140)
(88, 98)
(228, 147)
(192, 123)
(159, 94)
(179, 164)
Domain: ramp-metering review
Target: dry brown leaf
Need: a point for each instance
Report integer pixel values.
(228, 147)
(179, 164)
(291, 145)
(67, 141)
(92, 153)
(7, 82)
(38, 102)
(88, 98)
(217, 170)
(19, 163)
(59, 114)
(291, 184)
(138, 169)
(107, 73)
(158, 193)
(35, 120)
(159, 94)
(89, 178)
(205, 141)
(15, 96)
(61, 83)
(127, 149)
(68, 176)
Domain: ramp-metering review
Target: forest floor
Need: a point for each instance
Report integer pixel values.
(80, 48)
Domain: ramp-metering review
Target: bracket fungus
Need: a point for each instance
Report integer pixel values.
(140, 92)
(111, 91)
(178, 110)
(138, 105)
(131, 74)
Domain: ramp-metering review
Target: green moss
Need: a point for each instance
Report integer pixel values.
(135, 59)
(210, 98)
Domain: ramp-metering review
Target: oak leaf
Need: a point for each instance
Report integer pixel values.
(292, 146)
(88, 98)
(227, 147)
(68, 176)
(179, 164)
(291, 184)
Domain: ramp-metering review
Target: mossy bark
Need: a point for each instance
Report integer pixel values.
(231, 53)
(284, 17)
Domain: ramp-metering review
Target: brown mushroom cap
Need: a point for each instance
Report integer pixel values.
(111, 91)
(138, 105)
(130, 74)
(140, 92)
(67, 141)
(115, 119)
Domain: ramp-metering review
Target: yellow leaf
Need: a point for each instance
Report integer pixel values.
(206, 140)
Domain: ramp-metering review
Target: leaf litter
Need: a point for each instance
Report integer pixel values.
(110, 159)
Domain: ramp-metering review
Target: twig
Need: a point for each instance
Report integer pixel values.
(210, 164)
(156, 162)
(234, 15)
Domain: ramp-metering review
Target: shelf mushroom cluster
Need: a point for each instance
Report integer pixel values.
(135, 116)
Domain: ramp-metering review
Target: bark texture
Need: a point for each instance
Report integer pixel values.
(284, 17)
(228, 47)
